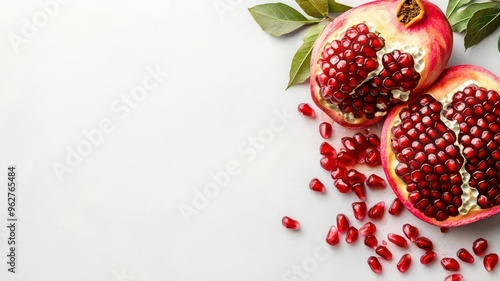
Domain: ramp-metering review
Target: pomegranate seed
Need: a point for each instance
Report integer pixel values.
(326, 149)
(342, 186)
(444, 229)
(328, 163)
(375, 182)
(290, 223)
(384, 252)
(342, 223)
(372, 158)
(371, 241)
(490, 261)
(450, 264)
(359, 189)
(396, 207)
(352, 235)
(398, 240)
(332, 237)
(465, 255)
(354, 176)
(479, 246)
(428, 257)
(424, 243)
(339, 173)
(359, 209)
(410, 231)
(317, 185)
(306, 110)
(375, 265)
(404, 263)
(454, 277)
(377, 211)
(345, 159)
(325, 130)
(367, 229)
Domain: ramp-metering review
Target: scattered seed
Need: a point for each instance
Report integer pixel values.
(465, 255)
(290, 223)
(397, 240)
(306, 110)
(404, 263)
(479, 246)
(450, 264)
(375, 265)
(316, 185)
(490, 261)
(332, 237)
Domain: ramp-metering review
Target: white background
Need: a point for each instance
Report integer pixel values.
(116, 215)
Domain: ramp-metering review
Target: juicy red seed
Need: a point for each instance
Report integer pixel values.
(384, 252)
(454, 277)
(325, 130)
(479, 246)
(359, 209)
(375, 265)
(372, 158)
(377, 210)
(367, 229)
(354, 176)
(339, 173)
(444, 229)
(465, 255)
(396, 207)
(428, 257)
(342, 186)
(450, 264)
(352, 235)
(327, 150)
(424, 243)
(290, 223)
(342, 223)
(375, 182)
(371, 241)
(345, 159)
(316, 185)
(332, 237)
(398, 240)
(490, 261)
(328, 163)
(410, 232)
(359, 189)
(404, 263)
(306, 110)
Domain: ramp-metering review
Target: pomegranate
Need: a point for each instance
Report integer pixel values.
(376, 55)
(441, 150)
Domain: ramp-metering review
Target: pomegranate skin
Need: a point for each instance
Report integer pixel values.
(432, 35)
(453, 78)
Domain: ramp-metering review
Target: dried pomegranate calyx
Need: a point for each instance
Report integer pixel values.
(410, 12)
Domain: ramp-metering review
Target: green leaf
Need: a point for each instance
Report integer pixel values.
(299, 71)
(277, 18)
(314, 8)
(454, 5)
(460, 19)
(334, 7)
(481, 24)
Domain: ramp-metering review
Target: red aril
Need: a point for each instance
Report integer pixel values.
(367, 229)
(465, 255)
(359, 189)
(345, 159)
(339, 173)
(371, 241)
(404, 263)
(397, 240)
(490, 261)
(354, 176)
(332, 237)
(342, 186)
(376, 55)
(327, 150)
(290, 223)
(424, 243)
(450, 264)
(444, 229)
(454, 277)
(352, 235)
(342, 223)
(316, 185)
(374, 264)
(328, 163)
(479, 246)
(383, 252)
(306, 110)
(375, 182)
(359, 209)
(428, 257)
(376, 212)
(325, 130)
(440, 149)
(410, 231)
(396, 207)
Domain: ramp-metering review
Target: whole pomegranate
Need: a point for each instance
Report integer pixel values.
(441, 150)
(376, 55)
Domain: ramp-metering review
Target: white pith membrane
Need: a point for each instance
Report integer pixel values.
(417, 53)
(470, 194)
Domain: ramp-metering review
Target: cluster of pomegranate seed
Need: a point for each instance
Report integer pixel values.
(477, 112)
(340, 164)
